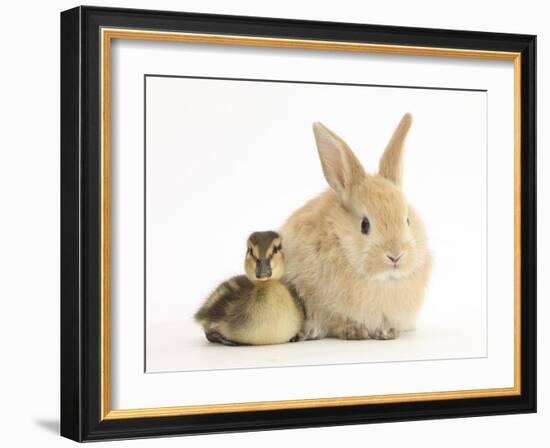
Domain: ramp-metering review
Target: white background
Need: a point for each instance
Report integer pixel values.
(225, 158)
(29, 228)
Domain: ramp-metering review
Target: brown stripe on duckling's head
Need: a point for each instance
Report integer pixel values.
(262, 242)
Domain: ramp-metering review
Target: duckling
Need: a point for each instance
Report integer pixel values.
(256, 308)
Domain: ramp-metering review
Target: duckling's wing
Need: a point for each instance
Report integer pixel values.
(204, 314)
(234, 301)
(224, 302)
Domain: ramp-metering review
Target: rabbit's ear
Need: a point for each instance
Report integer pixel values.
(391, 161)
(341, 168)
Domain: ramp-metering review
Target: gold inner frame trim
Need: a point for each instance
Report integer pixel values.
(107, 35)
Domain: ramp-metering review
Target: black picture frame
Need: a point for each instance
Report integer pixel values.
(81, 224)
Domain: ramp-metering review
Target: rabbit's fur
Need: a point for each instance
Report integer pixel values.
(351, 288)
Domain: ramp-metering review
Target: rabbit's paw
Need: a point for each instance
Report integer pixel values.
(309, 333)
(385, 333)
(350, 330)
(355, 332)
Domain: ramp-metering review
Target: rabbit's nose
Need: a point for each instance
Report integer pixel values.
(395, 259)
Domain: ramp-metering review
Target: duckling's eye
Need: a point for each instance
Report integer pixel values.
(277, 249)
(408, 221)
(365, 226)
(249, 251)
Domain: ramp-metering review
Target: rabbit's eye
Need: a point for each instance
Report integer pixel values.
(365, 226)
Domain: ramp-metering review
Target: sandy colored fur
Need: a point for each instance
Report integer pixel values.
(349, 286)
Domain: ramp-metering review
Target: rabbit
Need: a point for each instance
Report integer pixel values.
(357, 254)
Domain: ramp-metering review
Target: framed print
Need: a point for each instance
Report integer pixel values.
(272, 223)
